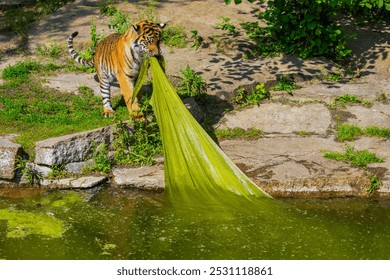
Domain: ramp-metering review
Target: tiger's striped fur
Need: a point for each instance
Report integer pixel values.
(120, 56)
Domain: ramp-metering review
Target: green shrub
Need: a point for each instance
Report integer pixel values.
(309, 28)
(191, 84)
(304, 28)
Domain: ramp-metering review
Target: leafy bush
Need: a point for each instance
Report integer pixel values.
(307, 28)
(191, 84)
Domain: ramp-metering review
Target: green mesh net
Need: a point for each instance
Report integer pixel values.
(196, 170)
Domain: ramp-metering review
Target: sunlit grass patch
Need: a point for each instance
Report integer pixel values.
(238, 133)
(348, 132)
(35, 112)
(358, 158)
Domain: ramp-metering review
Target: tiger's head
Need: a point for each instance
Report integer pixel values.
(148, 35)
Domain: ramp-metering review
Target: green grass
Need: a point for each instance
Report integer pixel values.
(51, 50)
(174, 36)
(348, 132)
(347, 99)
(333, 77)
(20, 72)
(358, 158)
(18, 18)
(36, 113)
(238, 133)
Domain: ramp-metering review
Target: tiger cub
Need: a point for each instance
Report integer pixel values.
(120, 56)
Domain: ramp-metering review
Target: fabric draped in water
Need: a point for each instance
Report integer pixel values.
(195, 168)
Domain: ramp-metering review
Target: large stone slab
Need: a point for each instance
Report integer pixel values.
(280, 118)
(295, 166)
(8, 155)
(75, 183)
(147, 177)
(70, 148)
(377, 115)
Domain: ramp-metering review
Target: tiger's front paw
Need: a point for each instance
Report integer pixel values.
(108, 112)
(137, 115)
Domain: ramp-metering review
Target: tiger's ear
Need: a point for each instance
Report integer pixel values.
(162, 25)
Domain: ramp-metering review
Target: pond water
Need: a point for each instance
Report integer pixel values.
(111, 223)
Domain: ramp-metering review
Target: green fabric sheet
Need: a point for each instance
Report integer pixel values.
(196, 170)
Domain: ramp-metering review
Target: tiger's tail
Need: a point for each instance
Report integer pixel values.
(75, 55)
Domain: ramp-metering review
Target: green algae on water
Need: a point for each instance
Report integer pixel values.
(196, 170)
(22, 223)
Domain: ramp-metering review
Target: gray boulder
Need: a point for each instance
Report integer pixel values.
(70, 148)
(8, 156)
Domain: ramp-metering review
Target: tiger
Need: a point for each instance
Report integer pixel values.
(120, 56)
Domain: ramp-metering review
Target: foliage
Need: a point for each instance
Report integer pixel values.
(382, 97)
(305, 28)
(174, 36)
(57, 171)
(33, 176)
(119, 22)
(143, 144)
(244, 98)
(363, 10)
(334, 77)
(89, 53)
(17, 18)
(52, 51)
(101, 160)
(377, 131)
(346, 99)
(309, 28)
(347, 132)
(191, 84)
(197, 40)
(285, 84)
(238, 133)
(375, 184)
(20, 72)
(357, 158)
(225, 25)
(35, 112)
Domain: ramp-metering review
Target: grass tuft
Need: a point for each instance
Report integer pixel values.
(355, 157)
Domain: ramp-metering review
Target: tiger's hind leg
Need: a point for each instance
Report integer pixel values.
(106, 96)
(127, 87)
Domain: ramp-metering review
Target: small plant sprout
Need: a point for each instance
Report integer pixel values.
(191, 84)
(285, 84)
(197, 40)
(244, 98)
(375, 184)
(227, 26)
